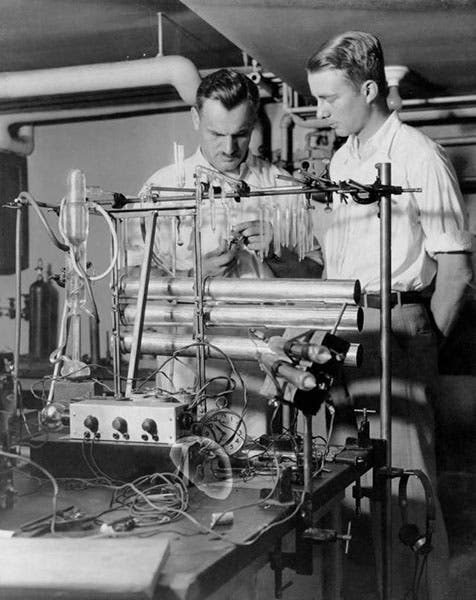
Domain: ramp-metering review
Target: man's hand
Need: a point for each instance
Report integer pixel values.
(220, 262)
(256, 235)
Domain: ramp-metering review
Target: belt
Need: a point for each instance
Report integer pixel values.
(400, 298)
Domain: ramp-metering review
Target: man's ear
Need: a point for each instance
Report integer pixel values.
(370, 90)
(195, 117)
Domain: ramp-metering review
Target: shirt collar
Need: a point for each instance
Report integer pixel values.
(379, 141)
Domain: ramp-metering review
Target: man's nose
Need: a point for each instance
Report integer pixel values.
(229, 144)
(322, 110)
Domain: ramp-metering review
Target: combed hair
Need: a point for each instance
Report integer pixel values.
(229, 87)
(357, 53)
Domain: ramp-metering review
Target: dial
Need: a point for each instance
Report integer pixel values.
(225, 427)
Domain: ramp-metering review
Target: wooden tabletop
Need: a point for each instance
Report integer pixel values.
(181, 562)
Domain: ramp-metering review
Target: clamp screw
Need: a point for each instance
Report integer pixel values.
(365, 412)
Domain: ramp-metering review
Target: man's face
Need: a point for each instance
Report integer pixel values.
(224, 134)
(340, 103)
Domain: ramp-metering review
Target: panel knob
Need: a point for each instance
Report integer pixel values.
(91, 423)
(150, 426)
(120, 424)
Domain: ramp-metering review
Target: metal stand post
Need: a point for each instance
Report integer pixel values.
(384, 173)
(141, 301)
(16, 354)
(199, 327)
(307, 467)
(116, 325)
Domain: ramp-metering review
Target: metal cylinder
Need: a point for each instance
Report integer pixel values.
(235, 347)
(283, 290)
(250, 316)
(43, 303)
(303, 380)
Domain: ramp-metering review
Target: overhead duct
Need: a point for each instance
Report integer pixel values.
(17, 129)
(176, 71)
(146, 72)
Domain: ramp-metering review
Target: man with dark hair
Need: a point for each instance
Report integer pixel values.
(224, 116)
(230, 87)
(429, 273)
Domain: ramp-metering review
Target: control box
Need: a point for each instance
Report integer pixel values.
(141, 419)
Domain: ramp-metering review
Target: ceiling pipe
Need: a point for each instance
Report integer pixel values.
(17, 129)
(420, 115)
(178, 71)
(440, 100)
(145, 72)
(15, 137)
(457, 140)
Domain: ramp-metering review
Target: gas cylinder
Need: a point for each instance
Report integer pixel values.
(43, 315)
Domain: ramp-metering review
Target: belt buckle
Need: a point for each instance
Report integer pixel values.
(395, 299)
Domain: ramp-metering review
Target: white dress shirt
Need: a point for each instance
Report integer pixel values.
(423, 223)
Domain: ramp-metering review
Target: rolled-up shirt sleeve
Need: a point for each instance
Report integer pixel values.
(442, 211)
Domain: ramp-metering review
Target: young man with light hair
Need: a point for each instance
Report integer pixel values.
(430, 267)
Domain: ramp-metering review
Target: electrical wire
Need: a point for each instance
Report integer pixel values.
(325, 452)
(92, 464)
(153, 499)
(205, 344)
(21, 409)
(423, 566)
(115, 243)
(26, 197)
(255, 536)
(198, 394)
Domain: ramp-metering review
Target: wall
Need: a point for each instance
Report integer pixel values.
(116, 155)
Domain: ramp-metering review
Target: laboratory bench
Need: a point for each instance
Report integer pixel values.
(181, 562)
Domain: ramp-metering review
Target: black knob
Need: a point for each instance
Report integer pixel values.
(120, 424)
(91, 423)
(150, 426)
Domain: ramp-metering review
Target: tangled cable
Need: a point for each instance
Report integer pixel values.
(153, 500)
